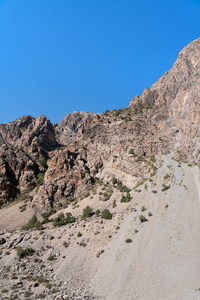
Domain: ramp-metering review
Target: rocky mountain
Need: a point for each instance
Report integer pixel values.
(134, 170)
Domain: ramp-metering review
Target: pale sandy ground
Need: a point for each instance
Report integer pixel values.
(163, 261)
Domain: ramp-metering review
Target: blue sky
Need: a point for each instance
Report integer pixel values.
(60, 56)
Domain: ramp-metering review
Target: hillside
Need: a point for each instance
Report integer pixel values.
(137, 168)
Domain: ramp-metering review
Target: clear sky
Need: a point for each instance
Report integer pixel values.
(60, 56)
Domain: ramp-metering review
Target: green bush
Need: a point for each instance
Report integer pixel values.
(87, 212)
(51, 258)
(166, 187)
(32, 223)
(79, 234)
(21, 253)
(69, 218)
(61, 220)
(143, 208)
(106, 214)
(142, 218)
(126, 198)
(114, 180)
(40, 178)
(128, 241)
(43, 162)
(48, 213)
(97, 212)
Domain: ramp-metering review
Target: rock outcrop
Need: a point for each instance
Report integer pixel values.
(27, 131)
(120, 143)
(175, 104)
(71, 125)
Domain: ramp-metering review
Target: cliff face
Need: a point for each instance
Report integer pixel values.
(175, 103)
(28, 131)
(120, 143)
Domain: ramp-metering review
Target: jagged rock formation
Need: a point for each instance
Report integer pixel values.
(28, 131)
(175, 104)
(122, 143)
(123, 164)
(68, 129)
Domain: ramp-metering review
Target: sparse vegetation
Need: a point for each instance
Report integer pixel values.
(22, 253)
(97, 212)
(87, 212)
(61, 220)
(33, 223)
(106, 214)
(128, 241)
(126, 198)
(143, 208)
(142, 218)
(165, 187)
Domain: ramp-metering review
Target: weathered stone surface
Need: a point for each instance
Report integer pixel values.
(174, 99)
(72, 124)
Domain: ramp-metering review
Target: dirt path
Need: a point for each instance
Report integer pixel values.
(163, 261)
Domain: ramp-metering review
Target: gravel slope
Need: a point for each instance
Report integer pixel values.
(163, 261)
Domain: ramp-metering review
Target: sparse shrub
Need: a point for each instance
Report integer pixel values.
(143, 208)
(51, 258)
(152, 158)
(106, 214)
(43, 162)
(48, 213)
(131, 151)
(154, 191)
(97, 212)
(142, 218)
(32, 223)
(114, 204)
(117, 228)
(135, 230)
(150, 214)
(61, 220)
(118, 112)
(166, 176)
(166, 187)
(4, 290)
(41, 279)
(40, 178)
(21, 253)
(38, 225)
(28, 294)
(126, 198)
(65, 244)
(22, 208)
(87, 194)
(114, 180)
(87, 212)
(124, 189)
(83, 244)
(79, 234)
(128, 241)
(166, 206)
(69, 218)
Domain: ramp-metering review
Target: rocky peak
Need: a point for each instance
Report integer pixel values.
(72, 124)
(175, 104)
(26, 131)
